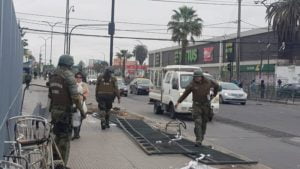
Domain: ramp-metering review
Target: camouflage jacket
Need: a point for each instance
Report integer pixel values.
(200, 90)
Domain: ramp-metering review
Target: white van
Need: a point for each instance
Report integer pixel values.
(175, 79)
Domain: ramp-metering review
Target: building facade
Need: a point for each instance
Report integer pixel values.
(260, 55)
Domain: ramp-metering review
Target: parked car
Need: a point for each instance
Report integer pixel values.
(289, 90)
(232, 93)
(92, 79)
(140, 86)
(122, 87)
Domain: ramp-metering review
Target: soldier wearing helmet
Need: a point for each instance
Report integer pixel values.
(106, 91)
(200, 88)
(63, 94)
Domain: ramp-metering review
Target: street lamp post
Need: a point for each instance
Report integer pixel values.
(45, 39)
(68, 50)
(52, 26)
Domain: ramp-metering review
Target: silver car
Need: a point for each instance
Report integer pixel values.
(232, 93)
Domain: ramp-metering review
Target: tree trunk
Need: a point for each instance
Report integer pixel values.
(183, 52)
(124, 61)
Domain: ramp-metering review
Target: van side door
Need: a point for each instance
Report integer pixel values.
(166, 88)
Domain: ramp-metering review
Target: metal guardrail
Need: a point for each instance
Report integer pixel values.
(273, 94)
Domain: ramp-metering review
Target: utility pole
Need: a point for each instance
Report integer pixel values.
(238, 42)
(66, 26)
(111, 31)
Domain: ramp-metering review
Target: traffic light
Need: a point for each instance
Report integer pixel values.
(229, 66)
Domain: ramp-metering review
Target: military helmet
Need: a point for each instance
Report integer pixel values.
(109, 69)
(66, 60)
(198, 73)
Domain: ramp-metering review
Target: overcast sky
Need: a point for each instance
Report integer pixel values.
(134, 18)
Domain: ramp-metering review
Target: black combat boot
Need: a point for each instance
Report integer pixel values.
(107, 121)
(103, 125)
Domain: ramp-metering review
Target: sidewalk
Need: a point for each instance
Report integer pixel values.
(112, 148)
(108, 149)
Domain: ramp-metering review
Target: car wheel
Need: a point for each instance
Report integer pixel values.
(172, 111)
(157, 108)
(243, 103)
(125, 95)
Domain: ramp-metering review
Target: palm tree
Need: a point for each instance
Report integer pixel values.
(285, 18)
(185, 23)
(141, 53)
(124, 54)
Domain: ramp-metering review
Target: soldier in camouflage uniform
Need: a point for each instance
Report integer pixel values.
(63, 94)
(106, 91)
(200, 88)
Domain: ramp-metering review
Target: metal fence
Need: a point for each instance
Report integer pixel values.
(11, 58)
(273, 94)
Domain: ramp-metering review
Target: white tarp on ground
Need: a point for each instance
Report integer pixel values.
(196, 165)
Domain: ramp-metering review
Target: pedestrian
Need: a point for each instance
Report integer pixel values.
(252, 88)
(35, 74)
(279, 82)
(106, 90)
(262, 89)
(241, 84)
(200, 88)
(63, 93)
(84, 92)
(27, 79)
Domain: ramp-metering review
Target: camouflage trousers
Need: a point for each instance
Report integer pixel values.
(105, 105)
(201, 117)
(63, 133)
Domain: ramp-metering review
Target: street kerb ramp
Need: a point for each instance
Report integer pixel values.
(154, 141)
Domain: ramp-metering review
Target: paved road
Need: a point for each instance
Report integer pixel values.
(265, 132)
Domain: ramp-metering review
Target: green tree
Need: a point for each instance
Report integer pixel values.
(185, 23)
(140, 52)
(285, 18)
(100, 67)
(123, 54)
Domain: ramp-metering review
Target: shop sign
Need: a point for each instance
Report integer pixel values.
(208, 54)
(256, 68)
(191, 56)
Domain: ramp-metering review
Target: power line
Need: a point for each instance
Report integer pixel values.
(136, 38)
(204, 3)
(94, 20)
(250, 24)
(39, 22)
